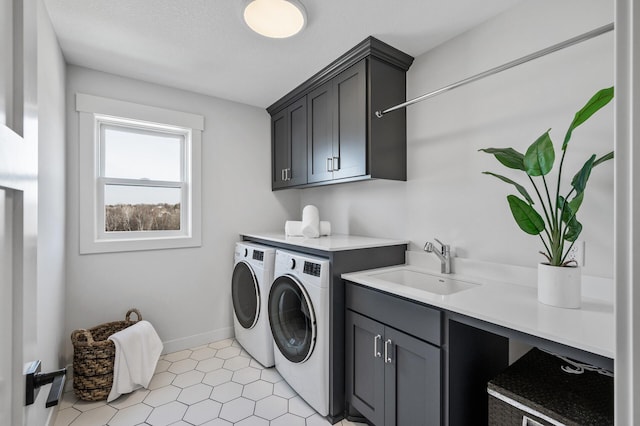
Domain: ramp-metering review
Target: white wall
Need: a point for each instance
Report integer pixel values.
(184, 293)
(446, 196)
(51, 194)
(45, 306)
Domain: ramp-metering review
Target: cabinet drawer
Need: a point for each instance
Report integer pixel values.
(410, 317)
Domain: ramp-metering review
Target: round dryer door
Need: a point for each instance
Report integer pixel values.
(292, 319)
(245, 294)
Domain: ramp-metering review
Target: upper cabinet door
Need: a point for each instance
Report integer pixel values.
(350, 122)
(337, 141)
(289, 146)
(320, 133)
(280, 149)
(297, 173)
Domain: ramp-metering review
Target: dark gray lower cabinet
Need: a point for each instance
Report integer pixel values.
(365, 366)
(393, 378)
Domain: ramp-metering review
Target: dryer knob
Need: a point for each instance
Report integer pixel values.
(246, 252)
(292, 264)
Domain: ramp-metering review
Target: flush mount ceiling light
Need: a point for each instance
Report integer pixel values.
(275, 18)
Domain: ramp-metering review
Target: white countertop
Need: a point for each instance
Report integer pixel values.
(590, 328)
(337, 242)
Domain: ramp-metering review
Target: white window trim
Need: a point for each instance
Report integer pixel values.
(91, 109)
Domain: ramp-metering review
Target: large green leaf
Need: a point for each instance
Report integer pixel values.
(526, 217)
(579, 181)
(509, 157)
(566, 210)
(569, 216)
(576, 202)
(521, 189)
(604, 158)
(598, 100)
(574, 228)
(539, 158)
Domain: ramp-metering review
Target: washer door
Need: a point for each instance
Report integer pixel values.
(292, 319)
(245, 294)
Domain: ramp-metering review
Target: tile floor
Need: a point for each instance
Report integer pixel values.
(214, 385)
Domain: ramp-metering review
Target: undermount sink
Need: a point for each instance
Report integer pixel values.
(423, 281)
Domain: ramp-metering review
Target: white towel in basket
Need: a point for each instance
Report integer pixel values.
(138, 349)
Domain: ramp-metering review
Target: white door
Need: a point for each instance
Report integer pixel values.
(11, 386)
(5, 306)
(18, 205)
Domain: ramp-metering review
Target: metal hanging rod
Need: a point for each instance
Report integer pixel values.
(575, 40)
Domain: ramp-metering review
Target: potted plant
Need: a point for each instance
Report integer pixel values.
(554, 219)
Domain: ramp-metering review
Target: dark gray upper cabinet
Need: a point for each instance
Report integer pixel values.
(344, 140)
(337, 131)
(289, 149)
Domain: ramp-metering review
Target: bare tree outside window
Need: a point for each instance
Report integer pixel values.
(142, 217)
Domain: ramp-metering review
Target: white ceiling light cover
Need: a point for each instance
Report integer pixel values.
(275, 18)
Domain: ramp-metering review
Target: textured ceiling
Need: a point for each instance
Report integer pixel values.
(205, 47)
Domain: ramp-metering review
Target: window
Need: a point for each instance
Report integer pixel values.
(140, 183)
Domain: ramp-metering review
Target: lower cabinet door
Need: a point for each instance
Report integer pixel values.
(365, 366)
(412, 380)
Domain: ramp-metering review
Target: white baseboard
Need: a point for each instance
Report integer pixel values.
(169, 347)
(197, 340)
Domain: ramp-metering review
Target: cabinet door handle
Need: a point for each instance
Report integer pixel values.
(289, 174)
(376, 350)
(329, 164)
(335, 164)
(286, 174)
(282, 177)
(387, 351)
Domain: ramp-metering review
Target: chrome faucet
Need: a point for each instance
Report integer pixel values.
(444, 255)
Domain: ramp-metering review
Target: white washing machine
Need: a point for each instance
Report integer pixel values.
(299, 320)
(250, 284)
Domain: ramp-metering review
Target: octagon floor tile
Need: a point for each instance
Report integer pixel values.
(195, 393)
(167, 414)
(188, 378)
(202, 412)
(226, 392)
(271, 407)
(237, 409)
(257, 390)
(217, 377)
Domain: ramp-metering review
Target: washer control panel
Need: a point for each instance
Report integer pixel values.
(258, 255)
(311, 268)
(307, 268)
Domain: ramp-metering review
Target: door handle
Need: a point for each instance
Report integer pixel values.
(335, 163)
(376, 350)
(526, 421)
(282, 175)
(36, 379)
(288, 174)
(387, 351)
(329, 164)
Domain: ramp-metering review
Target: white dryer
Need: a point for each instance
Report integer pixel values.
(299, 320)
(250, 284)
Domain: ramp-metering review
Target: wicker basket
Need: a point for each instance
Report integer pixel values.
(93, 357)
(535, 387)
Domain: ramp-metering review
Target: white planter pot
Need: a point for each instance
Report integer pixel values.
(560, 286)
